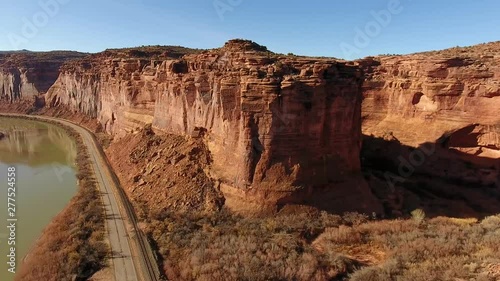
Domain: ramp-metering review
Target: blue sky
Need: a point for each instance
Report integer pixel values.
(344, 29)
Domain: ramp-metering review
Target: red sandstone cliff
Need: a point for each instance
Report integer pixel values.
(24, 75)
(419, 97)
(276, 126)
(449, 102)
(281, 129)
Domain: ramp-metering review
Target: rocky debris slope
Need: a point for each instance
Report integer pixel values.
(25, 75)
(275, 125)
(165, 172)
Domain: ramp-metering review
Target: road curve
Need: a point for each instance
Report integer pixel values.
(132, 258)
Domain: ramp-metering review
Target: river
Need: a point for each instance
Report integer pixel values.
(43, 156)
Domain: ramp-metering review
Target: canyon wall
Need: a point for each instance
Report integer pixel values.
(419, 97)
(284, 128)
(25, 75)
(275, 125)
(432, 129)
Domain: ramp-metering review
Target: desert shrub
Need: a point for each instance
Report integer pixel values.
(491, 223)
(320, 246)
(353, 218)
(418, 215)
(370, 274)
(223, 246)
(342, 235)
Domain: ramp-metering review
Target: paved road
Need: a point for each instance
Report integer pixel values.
(123, 262)
(131, 254)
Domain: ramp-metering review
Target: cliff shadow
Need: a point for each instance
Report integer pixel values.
(443, 178)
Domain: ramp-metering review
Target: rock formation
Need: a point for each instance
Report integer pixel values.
(276, 125)
(25, 75)
(419, 97)
(438, 114)
(287, 129)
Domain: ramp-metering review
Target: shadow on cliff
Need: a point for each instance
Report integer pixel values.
(436, 177)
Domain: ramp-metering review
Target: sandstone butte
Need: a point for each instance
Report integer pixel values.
(280, 129)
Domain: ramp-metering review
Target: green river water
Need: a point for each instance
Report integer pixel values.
(43, 156)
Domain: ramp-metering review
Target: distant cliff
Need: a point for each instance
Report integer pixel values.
(438, 116)
(24, 75)
(419, 97)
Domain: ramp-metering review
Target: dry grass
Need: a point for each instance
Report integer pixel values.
(227, 247)
(438, 249)
(318, 246)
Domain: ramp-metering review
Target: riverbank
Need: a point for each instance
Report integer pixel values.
(73, 246)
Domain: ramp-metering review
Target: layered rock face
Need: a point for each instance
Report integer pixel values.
(281, 129)
(24, 75)
(420, 97)
(273, 123)
(118, 87)
(433, 122)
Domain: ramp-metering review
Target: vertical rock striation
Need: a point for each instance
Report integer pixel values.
(274, 124)
(25, 75)
(282, 129)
